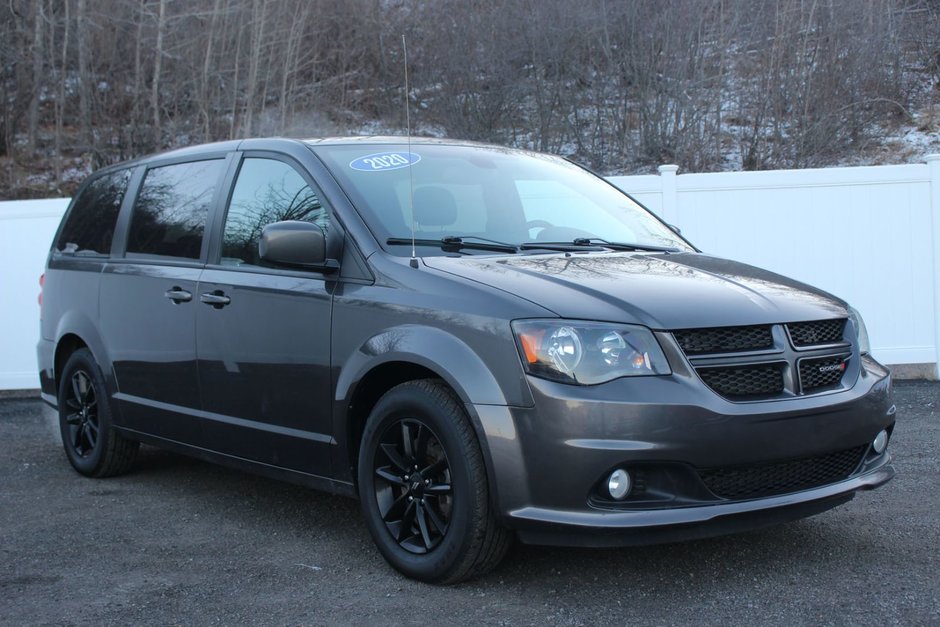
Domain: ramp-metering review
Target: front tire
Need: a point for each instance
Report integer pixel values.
(423, 486)
(91, 444)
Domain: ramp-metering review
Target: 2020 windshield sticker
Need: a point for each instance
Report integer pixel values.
(381, 161)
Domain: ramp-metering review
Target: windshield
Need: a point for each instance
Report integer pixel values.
(497, 194)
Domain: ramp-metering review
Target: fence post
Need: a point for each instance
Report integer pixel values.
(933, 165)
(670, 196)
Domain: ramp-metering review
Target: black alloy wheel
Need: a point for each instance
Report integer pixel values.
(423, 486)
(92, 445)
(413, 486)
(82, 413)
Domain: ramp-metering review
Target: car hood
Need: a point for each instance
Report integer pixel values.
(659, 290)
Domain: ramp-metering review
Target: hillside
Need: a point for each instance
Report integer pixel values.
(619, 86)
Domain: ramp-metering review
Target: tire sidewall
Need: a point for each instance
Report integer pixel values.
(408, 401)
(82, 359)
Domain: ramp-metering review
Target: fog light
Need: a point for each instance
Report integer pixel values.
(880, 443)
(619, 484)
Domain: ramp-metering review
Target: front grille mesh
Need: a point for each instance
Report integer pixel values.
(721, 356)
(811, 377)
(747, 482)
(724, 339)
(817, 332)
(745, 381)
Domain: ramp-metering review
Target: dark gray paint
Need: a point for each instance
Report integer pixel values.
(275, 372)
(148, 338)
(658, 290)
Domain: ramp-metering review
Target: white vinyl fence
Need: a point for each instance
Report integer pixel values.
(870, 235)
(26, 231)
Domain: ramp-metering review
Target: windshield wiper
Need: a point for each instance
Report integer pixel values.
(596, 241)
(455, 243)
(472, 242)
(560, 246)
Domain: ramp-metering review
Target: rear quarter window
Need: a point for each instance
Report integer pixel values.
(89, 227)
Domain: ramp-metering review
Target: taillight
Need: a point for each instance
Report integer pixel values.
(42, 280)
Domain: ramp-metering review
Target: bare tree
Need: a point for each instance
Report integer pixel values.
(83, 29)
(38, 60)
(157, 65)
(60, 75)
(618, 85)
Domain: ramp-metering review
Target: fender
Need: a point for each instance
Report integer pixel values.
(74, 322)
(438, 351)
(463, 370)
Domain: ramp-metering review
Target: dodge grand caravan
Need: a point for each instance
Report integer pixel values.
(479, 343)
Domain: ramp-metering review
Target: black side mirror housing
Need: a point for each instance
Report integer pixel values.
(295, 244)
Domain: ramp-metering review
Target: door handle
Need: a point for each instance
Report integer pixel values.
(217, 299)
(178, 295)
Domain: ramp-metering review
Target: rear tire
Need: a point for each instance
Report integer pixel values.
(423, 486)
(91, 444)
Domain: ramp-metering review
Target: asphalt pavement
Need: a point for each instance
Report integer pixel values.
(180, 541)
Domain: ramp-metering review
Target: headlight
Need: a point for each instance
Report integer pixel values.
(863, 345)
(587, 352)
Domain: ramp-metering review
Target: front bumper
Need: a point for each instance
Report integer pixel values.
(548, 462)
(630, 528)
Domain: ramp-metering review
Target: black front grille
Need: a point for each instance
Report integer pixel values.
(817, 332)
(748, 482)
(820, 373)
(745, 381)
(723, 356)
(724, 339)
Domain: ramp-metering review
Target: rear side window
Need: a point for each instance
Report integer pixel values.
(171, 209)
(266, 191)
(89, 228)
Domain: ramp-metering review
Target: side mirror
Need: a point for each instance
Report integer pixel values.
(675, 229)
(297, 244)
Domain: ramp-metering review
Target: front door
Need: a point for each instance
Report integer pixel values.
(263, 333)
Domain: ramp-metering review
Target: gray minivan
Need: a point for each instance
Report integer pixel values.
(479, 343)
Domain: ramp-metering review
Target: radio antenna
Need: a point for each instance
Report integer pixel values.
(411, 178)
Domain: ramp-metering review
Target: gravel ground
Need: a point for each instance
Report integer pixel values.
(180, 541)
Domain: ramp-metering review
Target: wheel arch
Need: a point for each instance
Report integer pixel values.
(76, 331)
(67, 344)
(373, 385)
(407, 353)
(438, 351)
